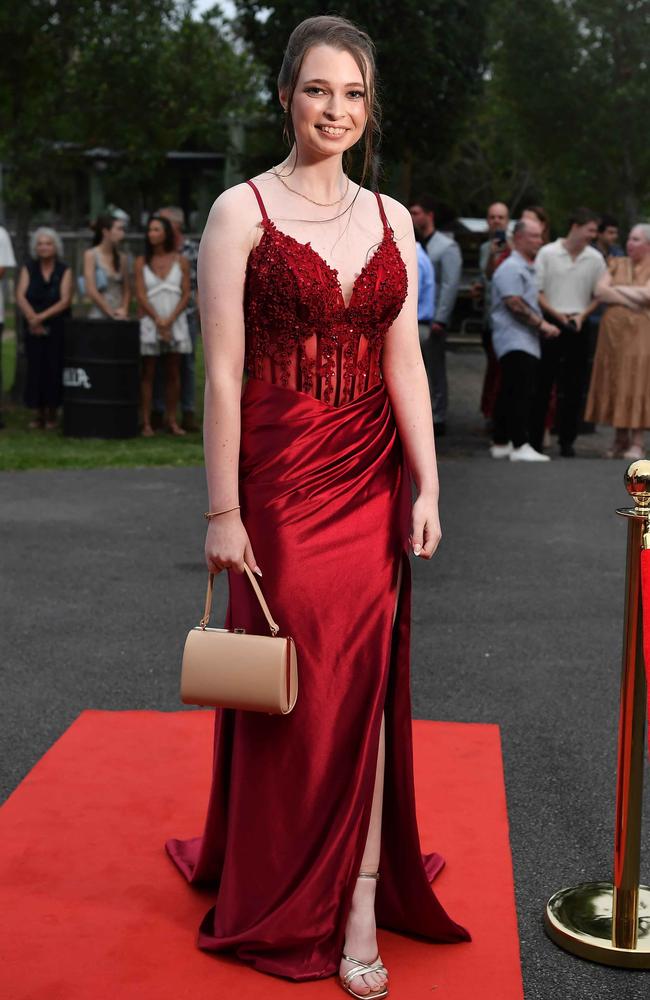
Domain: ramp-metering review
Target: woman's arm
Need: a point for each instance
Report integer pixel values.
(226, 243)
(408, 389)
(91, 286)
(185, 291)
(606, 292)
(126, 284)
(636, 296)
(141, 292)
(65, 300)
(21, 292)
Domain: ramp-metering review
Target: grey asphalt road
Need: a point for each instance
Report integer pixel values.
(517, 621)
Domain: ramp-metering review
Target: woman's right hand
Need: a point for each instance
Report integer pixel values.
(164, 329)
(227, 545)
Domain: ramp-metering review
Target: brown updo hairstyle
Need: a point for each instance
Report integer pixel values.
(339, 33)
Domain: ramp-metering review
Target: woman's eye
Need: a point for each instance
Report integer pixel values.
(357, 94)
(314, 90)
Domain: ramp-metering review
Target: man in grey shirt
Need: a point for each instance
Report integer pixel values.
(444, 253)
(517, 326)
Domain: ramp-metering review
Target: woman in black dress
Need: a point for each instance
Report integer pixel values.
(44, 295)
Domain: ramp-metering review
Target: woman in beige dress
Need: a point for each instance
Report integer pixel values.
(619, 394)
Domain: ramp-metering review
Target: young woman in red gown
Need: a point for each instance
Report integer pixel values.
(308, 282)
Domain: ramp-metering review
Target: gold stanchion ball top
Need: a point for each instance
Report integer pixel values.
(637, 482)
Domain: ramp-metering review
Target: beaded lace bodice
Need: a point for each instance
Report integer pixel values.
(300, 333)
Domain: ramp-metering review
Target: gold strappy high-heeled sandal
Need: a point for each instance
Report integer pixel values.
(362, 968)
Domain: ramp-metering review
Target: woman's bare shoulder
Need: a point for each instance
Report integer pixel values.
(234, 219)
(236, 204)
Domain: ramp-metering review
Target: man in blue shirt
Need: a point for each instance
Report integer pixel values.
(444, 253)
(517, 326)
(426, 293)
(607, 239)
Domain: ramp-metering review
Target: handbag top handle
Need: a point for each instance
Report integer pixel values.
(274, 627)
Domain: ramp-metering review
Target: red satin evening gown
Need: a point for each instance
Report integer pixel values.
(325, 498)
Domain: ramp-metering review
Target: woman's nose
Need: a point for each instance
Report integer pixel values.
(335, 106)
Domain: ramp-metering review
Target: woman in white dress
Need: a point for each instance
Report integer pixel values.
(162, 283)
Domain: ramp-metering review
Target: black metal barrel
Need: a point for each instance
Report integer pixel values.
(101, 378)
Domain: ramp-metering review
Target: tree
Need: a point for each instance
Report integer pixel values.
(430, 59)
(136, 77)
(575, 77)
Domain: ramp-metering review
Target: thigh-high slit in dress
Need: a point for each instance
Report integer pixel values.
(325, 498)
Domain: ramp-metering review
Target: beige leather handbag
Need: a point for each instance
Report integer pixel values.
(231, 669)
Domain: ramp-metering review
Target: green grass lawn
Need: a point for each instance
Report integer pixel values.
(22, 448)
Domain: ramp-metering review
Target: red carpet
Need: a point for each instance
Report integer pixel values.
(92, 908)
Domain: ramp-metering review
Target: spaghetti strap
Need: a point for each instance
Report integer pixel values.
(387, 224)
(259, 201)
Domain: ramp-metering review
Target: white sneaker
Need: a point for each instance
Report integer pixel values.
(501, 450)
(526, 453)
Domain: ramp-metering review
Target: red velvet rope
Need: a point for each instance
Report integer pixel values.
(645, 599)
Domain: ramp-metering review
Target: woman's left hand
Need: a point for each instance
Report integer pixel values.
(36, 326)
(425, 527)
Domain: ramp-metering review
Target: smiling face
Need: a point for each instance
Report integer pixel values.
(584, 234)
(328, 107)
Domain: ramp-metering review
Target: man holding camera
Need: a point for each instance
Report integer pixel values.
(491, 253)
(567, 273)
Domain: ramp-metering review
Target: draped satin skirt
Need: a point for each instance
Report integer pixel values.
(325, 498)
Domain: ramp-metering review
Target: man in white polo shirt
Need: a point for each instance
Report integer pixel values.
(567, 274)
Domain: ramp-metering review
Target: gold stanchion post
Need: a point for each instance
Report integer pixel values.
(610, 922)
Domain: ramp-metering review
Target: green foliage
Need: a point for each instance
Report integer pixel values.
(138, 77)
(430, 59)
(574, 77)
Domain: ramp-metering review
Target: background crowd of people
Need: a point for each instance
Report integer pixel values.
(158, 288)
(566, 329)
(566, 323)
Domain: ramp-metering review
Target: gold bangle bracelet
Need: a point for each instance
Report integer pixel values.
(215, 513)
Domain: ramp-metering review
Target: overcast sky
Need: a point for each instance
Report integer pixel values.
(225, 5)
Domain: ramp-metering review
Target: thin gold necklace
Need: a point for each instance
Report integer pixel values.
(321, 204)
